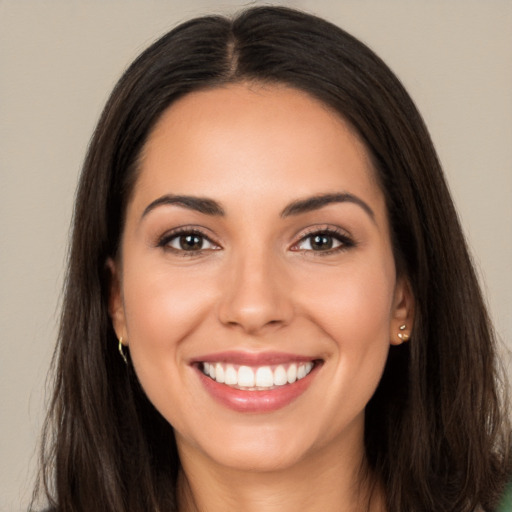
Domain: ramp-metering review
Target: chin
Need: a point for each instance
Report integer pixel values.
(261, 448)
(260, 460)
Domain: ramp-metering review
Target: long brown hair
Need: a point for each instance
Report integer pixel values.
(436, 430)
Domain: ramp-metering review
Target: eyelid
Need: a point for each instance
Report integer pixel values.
(341, 235)
(164, 239)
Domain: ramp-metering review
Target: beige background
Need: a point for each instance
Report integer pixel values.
(59, 61)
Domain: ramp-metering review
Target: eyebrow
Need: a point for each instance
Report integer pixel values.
(199, 204)
(208, 206)
(316, 202)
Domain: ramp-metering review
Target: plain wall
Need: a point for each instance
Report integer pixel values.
(58, 63)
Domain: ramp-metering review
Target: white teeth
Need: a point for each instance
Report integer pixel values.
(280, 378)
(264, 377)
(219, 373)
(230, 376)
(291, 374)
(245, 377)
(257, 378)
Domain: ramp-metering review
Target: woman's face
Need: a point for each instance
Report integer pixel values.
(256, 249)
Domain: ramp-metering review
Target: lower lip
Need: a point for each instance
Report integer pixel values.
(257, 401)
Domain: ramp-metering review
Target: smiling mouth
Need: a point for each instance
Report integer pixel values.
(256, 378)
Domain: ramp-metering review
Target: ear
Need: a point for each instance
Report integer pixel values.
(115, 301)
(402, 315)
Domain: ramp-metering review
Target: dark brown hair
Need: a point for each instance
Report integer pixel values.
(436, 431)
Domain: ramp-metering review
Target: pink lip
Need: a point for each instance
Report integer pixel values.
(256, 401)
(252, 358)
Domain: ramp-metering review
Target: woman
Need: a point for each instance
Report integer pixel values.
(269, 302)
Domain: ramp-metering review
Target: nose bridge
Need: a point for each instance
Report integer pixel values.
(255, 295)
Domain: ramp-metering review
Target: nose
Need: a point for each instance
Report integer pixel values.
(256, 295)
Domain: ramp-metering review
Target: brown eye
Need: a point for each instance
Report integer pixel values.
(187, 241)
(190, 242)
(321, 242)
(325, 241)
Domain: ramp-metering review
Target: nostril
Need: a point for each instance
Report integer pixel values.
(254, 298)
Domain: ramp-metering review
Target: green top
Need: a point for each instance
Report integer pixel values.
(506, 502)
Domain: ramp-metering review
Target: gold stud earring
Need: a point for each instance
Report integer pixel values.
(121, 350)
(403, 335)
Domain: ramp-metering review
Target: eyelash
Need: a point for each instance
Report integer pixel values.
(167, 238)
(345, 242)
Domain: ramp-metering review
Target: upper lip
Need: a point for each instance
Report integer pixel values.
(251, 358)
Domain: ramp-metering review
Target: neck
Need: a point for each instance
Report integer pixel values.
(327, 482)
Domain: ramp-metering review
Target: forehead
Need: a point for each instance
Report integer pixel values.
(252, 141)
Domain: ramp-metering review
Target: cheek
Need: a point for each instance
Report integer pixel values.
(359, 327)
(353, 302)
(162, 308)
(353, 307)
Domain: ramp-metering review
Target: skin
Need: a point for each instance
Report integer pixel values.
(258, 285)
